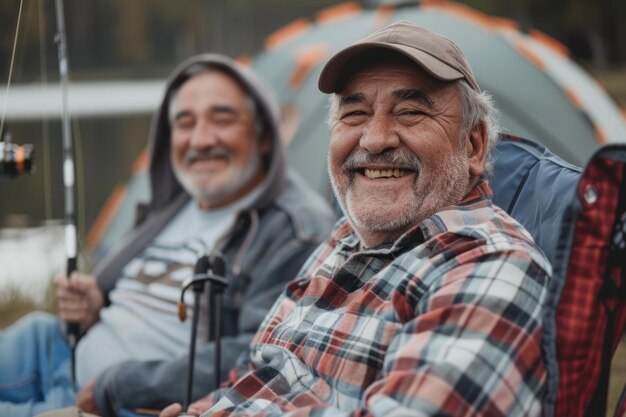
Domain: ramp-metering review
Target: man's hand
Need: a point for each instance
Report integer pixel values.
(80, 299)
(199, 407)
(84, 399)
(195, 409)
(172, 410)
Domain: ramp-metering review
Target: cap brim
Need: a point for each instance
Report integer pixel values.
(333, 71)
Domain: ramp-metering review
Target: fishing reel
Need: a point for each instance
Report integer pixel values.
(15, 159)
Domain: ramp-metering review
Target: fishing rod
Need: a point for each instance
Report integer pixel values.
(16, 160)
(69, 174)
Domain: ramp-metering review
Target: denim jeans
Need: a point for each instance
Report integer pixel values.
(35, 374)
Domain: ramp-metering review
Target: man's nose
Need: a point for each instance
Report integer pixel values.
(203, 136)
(379, 134)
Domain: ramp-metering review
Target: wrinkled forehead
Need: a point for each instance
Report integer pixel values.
(390, 83)
(394, 82)
(380, 65)
(388, 76)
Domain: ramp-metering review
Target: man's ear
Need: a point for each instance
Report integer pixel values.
(477, 150)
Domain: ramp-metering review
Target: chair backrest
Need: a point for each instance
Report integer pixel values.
(534, 186)
(579, 220)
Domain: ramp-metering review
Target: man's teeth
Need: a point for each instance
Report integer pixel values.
(385, 173)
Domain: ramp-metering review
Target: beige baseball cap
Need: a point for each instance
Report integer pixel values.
(436, 54)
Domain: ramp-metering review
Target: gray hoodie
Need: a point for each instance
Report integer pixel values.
(265, 248)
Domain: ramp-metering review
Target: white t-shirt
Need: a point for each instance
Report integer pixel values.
(142, 320)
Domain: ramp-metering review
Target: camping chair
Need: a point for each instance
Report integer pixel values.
(579, 220)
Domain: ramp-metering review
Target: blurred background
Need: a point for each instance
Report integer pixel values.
(556, 68)
(142, 40)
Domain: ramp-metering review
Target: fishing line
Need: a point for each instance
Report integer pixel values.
(6, 95)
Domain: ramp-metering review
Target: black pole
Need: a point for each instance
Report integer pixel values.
(218, 335)
(216, 289)
(69, 174)
(192, 345)
(211, 273)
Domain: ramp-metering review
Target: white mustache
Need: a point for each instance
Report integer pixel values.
(215, 152)
(396, 158)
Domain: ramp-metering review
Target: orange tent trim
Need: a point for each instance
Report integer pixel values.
(549, 42)
(339, 12)
(306, 59)
(287, 33)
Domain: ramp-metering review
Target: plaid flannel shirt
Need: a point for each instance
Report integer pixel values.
(445, 321)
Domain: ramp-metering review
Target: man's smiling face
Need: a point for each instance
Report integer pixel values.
(395, 157)
(216, 154)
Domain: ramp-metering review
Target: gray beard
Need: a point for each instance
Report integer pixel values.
(209, 193)
(431, 191)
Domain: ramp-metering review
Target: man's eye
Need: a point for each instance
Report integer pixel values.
(224, 119)
(410, 112)
(353, 114)
(184, 124)
(354, 117)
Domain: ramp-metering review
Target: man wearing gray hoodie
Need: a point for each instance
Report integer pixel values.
(218, 184)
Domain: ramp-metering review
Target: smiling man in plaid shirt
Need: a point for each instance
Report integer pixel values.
(426, 300)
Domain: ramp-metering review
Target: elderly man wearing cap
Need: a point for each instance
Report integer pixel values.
(426, 299)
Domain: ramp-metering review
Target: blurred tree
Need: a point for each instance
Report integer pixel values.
(586, 18)
(34, 28)
(131, 30)
(595, 31)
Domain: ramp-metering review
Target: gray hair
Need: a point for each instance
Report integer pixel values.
(202, 68)
(476, 107)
